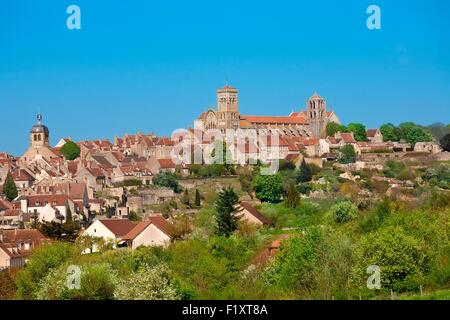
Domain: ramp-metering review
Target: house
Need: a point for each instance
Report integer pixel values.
(113, 230)
(374, 135)
(155, 231)
(22, 178)
(249, 214)
(17, 245)
(48, 207)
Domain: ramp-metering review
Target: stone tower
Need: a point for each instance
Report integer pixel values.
(39, 134)
(316, 108)
(228, 108)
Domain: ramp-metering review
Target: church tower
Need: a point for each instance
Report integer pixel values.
(228, 108)
(39, 134)
(316, 108)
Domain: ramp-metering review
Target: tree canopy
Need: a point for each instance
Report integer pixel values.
(359, 131)
(70, 150)
(269, 188)
(10, 188)
(226, 218)
(348, 154)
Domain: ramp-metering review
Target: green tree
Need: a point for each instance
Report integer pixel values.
(185, 198)
(269, 188)
(198, 200)
(292, 197)
(348, 154)
(390, 132)
(168, 180)
(10, 188)
(401, 258)
(413, 133)
(70, 150)
(445, 142)
(148, 283)
(344, 211)
(40, 263)
(333, 127)
(359, 131)
(226, 218)
(305, 172)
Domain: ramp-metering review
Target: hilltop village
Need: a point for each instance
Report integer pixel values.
(138, 191)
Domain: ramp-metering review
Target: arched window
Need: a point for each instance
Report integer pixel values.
(35, 137)
(39, 137)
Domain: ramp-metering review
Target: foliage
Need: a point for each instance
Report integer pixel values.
(291, 265)
(359, 131)
(401, 258)
(285, 165)
(185, 198)
(148, 283)
(344, 211)
(168, 180)
(333, 127)
(70, 150)
(292, 198)
(198, 201)
(41, 262)
(97, 282)
(413, 133)
(445, 142)
(390, 132)
(269, 188)
(67, 231)
(347, 154)
(7, 285)
(9, 188)
(305, 173)
(392, 169)
(226, 218)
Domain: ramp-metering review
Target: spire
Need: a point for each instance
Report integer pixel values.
(39, 118)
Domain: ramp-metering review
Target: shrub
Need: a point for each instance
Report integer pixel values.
(344, 212)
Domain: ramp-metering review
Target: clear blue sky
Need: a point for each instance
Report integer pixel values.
(155, 65)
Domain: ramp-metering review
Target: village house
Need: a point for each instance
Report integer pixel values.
(374, 136)
(17, 245)
(251, 215)
(48, 208)
(155, 231)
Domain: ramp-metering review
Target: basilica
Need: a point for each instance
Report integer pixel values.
(309, 123)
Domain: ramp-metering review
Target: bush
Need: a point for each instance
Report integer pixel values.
(148, 283)
(42, 260)
(348, 154)
(401, 258)
(269, 188)
(168, 180)
(344, 212)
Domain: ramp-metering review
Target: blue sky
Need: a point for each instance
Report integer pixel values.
(143, 65)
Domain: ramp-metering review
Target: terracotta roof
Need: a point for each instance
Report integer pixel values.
(5, 205)
(370, 133)
(166, 163)
(101, 160)
(22, 175)
(157, 221)
(258, 215)
(73, 190)
(119, 227)
(275, 119)
(348, 137)
(21, 235)
(43, 200)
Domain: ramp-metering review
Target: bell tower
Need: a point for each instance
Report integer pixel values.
(228, 108)
(39, 134)
(316, 109)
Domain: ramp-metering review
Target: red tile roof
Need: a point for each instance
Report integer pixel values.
(274, 119)
(119, 227)
(258, 215)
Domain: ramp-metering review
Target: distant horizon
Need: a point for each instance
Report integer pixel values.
(155, 67)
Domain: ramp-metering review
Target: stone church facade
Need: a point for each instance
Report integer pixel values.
(310, 122)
